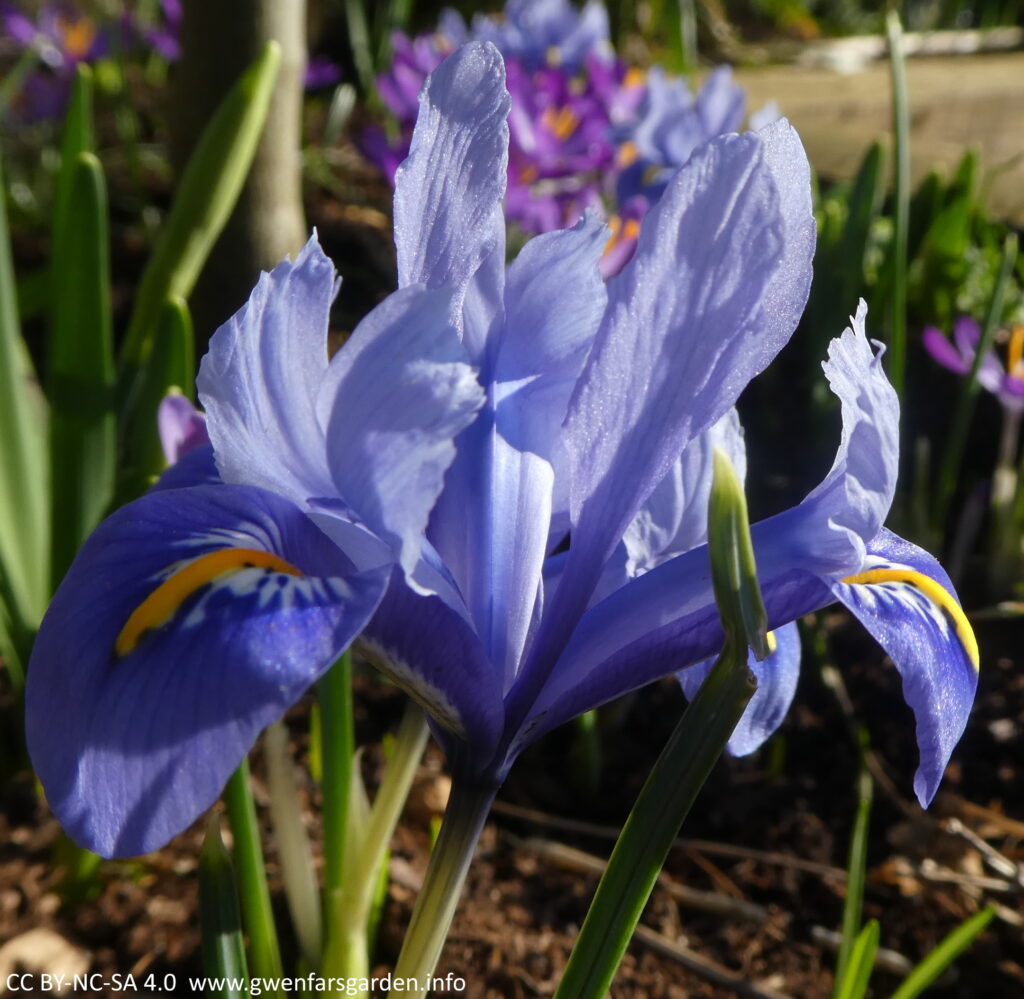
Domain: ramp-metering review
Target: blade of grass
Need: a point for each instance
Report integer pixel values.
(948, 950)
(24, 470)
(219, 919)
(686, 761)
(856, 867)
(83, 428)
(854, 982)
(257, 915)
(170, 365)
(359, 40)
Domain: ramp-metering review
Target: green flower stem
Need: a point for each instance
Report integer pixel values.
(352, 904)
(337, 746)
(663, 804)
(464, 819)
(901, 195)
(264, 953)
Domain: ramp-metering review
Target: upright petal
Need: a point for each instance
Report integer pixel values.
(190, 620)
(674, 518)
(395, 398)
(448, 192)
(715, 289)
(259, 380)
(907, 602)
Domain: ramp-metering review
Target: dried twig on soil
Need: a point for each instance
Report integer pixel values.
(707, 969)
(569, 858)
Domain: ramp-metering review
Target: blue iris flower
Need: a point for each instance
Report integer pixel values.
(498, 483)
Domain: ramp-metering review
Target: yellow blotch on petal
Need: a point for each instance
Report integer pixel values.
(934, 592)
(163, 603)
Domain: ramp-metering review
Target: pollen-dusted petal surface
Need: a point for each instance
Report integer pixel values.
(190, 620)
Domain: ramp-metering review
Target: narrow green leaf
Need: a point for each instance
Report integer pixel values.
(219, 918)
(254, 895)
(854, 981)
(864, 203)
(856, 867)
(24, 470)
(686, 761)
(77, 138)
(206, 194)
(361, 44)
(170, 365)
(83, 430)
(948, 950)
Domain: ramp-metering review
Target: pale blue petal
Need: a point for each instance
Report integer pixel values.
(448, 192)
(396, 396)
(907, 602)
(776, 684)
(258, 382)
(691, 319)
(674, 518)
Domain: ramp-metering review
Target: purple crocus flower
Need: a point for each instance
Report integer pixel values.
(1005, 382)
(63, 37)
(566, 88)
(475, 482)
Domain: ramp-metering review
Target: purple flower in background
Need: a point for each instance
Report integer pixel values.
(566, 89)
(498, 481)
(547, 32)
(1005, 382)
(62, 37)
(671, 123)
(321, 72)
(181, 426)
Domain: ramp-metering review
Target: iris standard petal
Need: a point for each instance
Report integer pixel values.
(674, 518)
(258, 382)
(190, 620)
(907, 602)
(715, 289)
(395, 398)
(776, 676)
(448, 192)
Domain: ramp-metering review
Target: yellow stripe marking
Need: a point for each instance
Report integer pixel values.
(773, 643)
(163, 603)
(934, 592)
(562, 123)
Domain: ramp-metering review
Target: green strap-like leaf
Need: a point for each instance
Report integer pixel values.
(206, 194)
(687, 758)
(854, 981)
(83, 432)
(24, 471)
(948, 950)
(219, 917)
